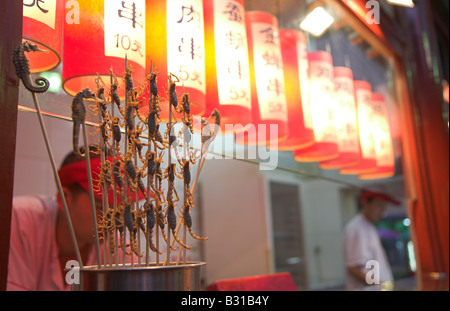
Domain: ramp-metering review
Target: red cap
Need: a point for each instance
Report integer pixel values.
(76, 173)
(365, 194)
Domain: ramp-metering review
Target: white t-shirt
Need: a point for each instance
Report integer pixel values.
(33, 256)
(362, 245)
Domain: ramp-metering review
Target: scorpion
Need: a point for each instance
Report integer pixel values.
(79, 116)
(173, 98)
(104, 176)
(135, 142)
(23, 67)
(186, 173)
(207, 134)
(140, 184)
(129, 218)
(115, 94)
(101, 96)
(153, 84)
(153, 129)
(149, 213)
(187, 117)
(132, 109)
(151, 169)
(130, 172)
(108, 225)
(188, 222)
(172, 222)
(118, 180)
(170, 174)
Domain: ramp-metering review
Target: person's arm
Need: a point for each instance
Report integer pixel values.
(356, 253)
(358, 273)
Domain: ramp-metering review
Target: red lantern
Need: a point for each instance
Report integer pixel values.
(367, 158)
(269, 108)
(295, 64)
(43, 26)
(383, 141)
(176, 45)
(322, 103)
(227, 67)
(107, 32)
(346, 121)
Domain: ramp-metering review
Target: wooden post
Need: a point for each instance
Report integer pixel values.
(11, 23)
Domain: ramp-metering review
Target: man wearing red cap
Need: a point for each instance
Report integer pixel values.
(365, 259)
(41, 243)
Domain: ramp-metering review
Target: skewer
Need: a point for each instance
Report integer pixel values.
(103, 154)
(157, 185)
(116, 248)
(185, 197)
(58, 181)
(167, 261)
(147, 233)
(91, 192)
(23, 72)
(125, 181)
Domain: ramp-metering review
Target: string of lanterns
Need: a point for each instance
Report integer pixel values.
(226, 58)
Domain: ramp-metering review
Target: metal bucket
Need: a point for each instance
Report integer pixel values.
(186, 277)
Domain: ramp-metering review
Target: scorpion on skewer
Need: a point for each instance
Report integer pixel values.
(173, 98)
(149, 214)
(129, 217)
(115, 94)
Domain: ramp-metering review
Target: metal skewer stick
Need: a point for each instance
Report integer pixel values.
(91, 192)
(147, 232)
(116, 248)
(23, 72)
(125, 181)
(157, 186)
(136, 207)
(58, 181)
(104, 196)
(185, 198)
(147, 237)
(167, 261)
(105, 233)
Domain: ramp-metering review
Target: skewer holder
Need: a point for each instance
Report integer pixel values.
(186, 277)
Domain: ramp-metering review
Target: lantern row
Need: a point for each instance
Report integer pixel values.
(225, 58)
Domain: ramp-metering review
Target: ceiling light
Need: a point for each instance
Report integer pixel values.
(317, 21)
(407, 3)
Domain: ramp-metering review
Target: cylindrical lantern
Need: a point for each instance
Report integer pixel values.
(43, 26)
(176, 46)
(367, 158)
(383, 141)
(269, 108)
(295, 64)
(107, 32)
(227, 67)
(322, 103)
(346, 121)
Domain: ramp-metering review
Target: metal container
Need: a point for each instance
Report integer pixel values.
(186, 277)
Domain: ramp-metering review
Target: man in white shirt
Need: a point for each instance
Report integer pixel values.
(365, 259)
